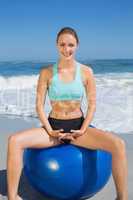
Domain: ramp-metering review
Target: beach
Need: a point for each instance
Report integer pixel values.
(114, 111)
(10, 125)
(66, 48)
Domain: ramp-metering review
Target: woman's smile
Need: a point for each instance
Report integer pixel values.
(67, 54)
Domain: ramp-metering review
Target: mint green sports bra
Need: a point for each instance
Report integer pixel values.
(59, 90)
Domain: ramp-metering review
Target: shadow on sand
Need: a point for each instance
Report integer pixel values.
(26, 191)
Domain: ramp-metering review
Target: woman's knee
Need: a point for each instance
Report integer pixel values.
(119, 146)
(14, 141)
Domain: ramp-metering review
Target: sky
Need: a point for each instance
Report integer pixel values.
(28, 28)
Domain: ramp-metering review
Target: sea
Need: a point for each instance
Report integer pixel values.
(114, 86)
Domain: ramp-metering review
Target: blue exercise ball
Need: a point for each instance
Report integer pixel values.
(67, 172)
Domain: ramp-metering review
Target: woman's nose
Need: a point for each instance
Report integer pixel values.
(66, 49)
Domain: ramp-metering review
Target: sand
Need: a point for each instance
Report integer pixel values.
(9, 125)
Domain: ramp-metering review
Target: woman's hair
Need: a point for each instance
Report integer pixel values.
(67, 30)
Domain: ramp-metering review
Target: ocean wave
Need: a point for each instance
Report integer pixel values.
(18, 82)
(114, 99)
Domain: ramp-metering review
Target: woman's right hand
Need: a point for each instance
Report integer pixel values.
(60, 136)
(57, 133)
(66, 136)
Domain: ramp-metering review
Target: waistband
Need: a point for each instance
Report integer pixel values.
(74, 119)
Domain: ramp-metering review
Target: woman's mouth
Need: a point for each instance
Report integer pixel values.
(67, 55)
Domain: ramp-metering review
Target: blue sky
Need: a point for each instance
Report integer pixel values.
(28, 28)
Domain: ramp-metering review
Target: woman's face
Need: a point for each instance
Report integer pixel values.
(67, 46)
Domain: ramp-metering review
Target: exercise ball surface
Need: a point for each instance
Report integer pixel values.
(67, 172)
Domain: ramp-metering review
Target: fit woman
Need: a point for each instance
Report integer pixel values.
(65, 82)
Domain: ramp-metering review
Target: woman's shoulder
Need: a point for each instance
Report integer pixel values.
(46, 70)
(87, 70)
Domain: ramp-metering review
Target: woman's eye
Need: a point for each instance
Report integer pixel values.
(71, 45)
(62, 45)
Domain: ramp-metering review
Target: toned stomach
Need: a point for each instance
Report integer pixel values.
(66, 109)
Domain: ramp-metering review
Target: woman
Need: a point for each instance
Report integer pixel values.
(65, 82)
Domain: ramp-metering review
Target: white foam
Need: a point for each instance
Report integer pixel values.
(18, 82)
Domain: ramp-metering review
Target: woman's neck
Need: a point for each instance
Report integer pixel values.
(66, 63)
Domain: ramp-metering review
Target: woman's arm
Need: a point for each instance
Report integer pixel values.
(42, 86)
(90, 88)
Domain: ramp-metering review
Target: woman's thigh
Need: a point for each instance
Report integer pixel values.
(95, 138)
(33, 138)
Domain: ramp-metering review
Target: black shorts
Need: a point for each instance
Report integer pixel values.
(66, 124)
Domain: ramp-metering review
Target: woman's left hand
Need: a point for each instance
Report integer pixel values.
(67, 136)
(77, 133)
